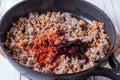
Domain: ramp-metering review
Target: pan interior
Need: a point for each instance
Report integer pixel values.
(78, 8)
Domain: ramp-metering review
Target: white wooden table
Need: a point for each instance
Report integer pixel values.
(110, 7)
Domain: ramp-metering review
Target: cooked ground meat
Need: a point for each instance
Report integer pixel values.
(56, 42)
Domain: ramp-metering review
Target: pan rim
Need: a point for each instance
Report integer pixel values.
(47, 74)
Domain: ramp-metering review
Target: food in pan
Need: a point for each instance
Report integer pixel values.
(56, 43)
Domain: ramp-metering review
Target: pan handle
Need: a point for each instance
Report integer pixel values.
(114, 63)
(113, 73)
(106, 72)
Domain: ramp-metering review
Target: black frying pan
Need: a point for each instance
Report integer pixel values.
(80, 9)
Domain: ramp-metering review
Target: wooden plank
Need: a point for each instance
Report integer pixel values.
(7, 71)
(0, 2)
(23, 78)
(116, 10)
(6, 5)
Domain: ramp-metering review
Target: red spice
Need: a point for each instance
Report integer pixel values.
(43, 47)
